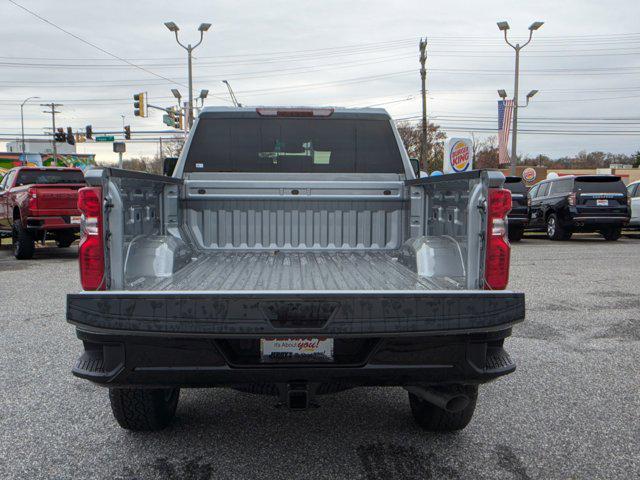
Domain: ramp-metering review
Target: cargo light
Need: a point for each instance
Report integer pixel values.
(91, 249)
(496, 272)
(294, 112)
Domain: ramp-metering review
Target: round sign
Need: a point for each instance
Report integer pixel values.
(460, 156)
(529, 174)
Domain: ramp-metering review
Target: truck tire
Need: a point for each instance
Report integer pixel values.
(555, 231)
(516, 234)
(144, 410)
(435, 419)
(611, 234)
(23, 243)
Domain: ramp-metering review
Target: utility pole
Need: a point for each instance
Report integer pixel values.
(189, 48)
(424, 150)
(504, 26)
(53, 112)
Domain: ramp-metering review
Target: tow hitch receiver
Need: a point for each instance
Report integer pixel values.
(297, 395)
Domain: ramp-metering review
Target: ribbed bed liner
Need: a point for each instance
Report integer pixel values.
(286, 270)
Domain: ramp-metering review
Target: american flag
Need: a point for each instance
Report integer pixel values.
(505, 111)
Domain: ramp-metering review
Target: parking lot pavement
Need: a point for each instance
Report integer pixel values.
(569, 411)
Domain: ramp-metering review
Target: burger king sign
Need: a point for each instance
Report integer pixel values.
(458, 155)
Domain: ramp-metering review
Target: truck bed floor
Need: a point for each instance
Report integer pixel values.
(283, 270)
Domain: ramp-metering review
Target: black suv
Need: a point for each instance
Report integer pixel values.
(519, 215)
(580, 203)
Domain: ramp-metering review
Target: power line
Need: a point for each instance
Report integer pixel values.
(93, 45)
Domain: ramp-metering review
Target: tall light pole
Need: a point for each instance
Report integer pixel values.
(189, 48)
(504, 26)
(22, 120)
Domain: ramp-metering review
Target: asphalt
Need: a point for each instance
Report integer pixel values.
(570, 411)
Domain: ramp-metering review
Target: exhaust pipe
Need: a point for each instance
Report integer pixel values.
(441, 398)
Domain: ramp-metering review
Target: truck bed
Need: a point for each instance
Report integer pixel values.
(290, 270)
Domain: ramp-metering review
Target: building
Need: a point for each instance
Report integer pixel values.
(532, 175)
(40, 146)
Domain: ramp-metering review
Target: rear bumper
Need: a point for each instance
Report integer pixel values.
(62, 222)
(593, 221)
(518, 221)
(208, 339)
(121, 360)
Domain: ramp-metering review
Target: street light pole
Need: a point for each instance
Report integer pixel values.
(504, 27)
(22, 121)
(189, 48)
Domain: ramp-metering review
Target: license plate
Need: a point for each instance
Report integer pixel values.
(295, 350)
(602, 203)
(75, 219)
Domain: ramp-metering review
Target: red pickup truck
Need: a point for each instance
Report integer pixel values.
(38, 203)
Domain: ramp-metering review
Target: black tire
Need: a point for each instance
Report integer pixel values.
(64, 239)
(516, 234)
(611, 234)
(555, 231)
(434, 419)
(144, 410)
(23, 243)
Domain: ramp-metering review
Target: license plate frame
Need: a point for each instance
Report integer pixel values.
(602, 202)
(296, 350)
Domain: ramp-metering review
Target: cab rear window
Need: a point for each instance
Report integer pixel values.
(515, 185)
(599, 184)
(30, 177)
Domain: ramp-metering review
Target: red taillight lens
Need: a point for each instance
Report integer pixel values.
(33, 199)
(571, 199)
(496, 274)
(91, 250)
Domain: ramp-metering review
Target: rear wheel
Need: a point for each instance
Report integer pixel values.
(516, 234)
(435, 419)
(142, 409)
(611, 234)
(23, 243)
(555, 231)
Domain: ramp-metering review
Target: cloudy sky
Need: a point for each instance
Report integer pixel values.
(585, 61)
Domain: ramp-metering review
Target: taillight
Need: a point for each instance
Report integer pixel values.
(571, 198)
(496, 272)
(528, 201)
(91, 250)
(33, 199)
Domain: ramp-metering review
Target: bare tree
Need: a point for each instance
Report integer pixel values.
(411, 135)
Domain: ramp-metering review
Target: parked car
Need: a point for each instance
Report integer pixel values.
(293, 253)
(37, 203)
(520, 211)
(579, 203)
(633, 191)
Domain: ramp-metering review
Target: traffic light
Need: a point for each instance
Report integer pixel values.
(140, 104)
(170, 119)
(127, 132)
(70, 139)
(59, 135)
(88, 132)
(180, 125)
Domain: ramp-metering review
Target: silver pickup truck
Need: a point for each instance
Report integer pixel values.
(293, 253)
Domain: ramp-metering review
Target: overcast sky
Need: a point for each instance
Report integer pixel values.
(585, 61)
